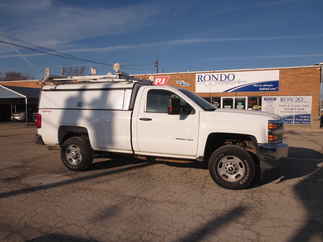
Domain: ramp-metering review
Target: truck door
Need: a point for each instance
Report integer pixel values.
(157, 132)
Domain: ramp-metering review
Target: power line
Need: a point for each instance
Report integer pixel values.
(23, 57)
(56, 53)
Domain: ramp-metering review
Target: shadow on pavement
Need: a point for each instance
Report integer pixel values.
(116, 161)
(106, 213)
(300, 162)
(183, 164)
(212, 226)
(60, 238)
(308, 164)
(309, 192)
(101, 165)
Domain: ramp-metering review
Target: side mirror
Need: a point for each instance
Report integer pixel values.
(174, 105)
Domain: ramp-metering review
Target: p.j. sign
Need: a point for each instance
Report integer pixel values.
(244, 81)
(159, 80)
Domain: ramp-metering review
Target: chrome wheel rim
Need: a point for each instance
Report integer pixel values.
(231, 169)
(73, 154)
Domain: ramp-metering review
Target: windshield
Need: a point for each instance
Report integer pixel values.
(205, 105)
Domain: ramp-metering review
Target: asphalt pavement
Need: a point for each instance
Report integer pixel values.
(127, 199)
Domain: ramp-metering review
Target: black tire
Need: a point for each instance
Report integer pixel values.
(82, 150)
(232, 167)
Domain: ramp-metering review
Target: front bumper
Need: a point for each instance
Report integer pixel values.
(272, 154)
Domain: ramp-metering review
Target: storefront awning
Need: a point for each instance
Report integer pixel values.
(7, 93)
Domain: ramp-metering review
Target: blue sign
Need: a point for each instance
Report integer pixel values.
(292, 109)
(242, 81)
(267, 86)
(297, 119)
(183, 83)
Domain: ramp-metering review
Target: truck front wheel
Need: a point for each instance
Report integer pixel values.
(77, 154)
(232, 167)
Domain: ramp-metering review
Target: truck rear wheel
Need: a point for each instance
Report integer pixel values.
(232, 167)
(77, 154)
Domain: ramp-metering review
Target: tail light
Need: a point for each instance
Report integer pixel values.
(38, 120)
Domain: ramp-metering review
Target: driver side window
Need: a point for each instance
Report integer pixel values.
(158, 101)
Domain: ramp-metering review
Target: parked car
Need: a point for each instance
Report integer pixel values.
(18, 116)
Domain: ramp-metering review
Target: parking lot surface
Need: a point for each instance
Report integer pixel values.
(127, 199)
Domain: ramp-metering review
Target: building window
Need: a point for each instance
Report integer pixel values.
(240, 103)
(227, 102)
(254, 103)
(215, 101)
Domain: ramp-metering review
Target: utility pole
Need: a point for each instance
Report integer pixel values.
(156, 66)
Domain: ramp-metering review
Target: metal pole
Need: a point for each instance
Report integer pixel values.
(26, 110)
(321, 90)
(156, 65)
(320, 98)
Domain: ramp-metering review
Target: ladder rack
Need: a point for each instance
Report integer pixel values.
(109, 77)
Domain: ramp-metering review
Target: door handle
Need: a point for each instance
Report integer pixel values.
(145, 119)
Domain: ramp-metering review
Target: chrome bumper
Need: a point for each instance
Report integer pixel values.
(271, 154)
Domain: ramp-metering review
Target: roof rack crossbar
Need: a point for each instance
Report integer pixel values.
(109, 77)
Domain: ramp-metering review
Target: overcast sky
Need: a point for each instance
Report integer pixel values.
(184, 35)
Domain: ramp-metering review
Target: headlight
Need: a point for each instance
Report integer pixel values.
(275, 131)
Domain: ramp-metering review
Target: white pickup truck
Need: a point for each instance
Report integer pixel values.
(134, 117)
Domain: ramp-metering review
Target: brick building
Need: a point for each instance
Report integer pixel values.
(22, 83)
(292, 92)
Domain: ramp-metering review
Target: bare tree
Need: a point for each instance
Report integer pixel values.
(13, 76)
